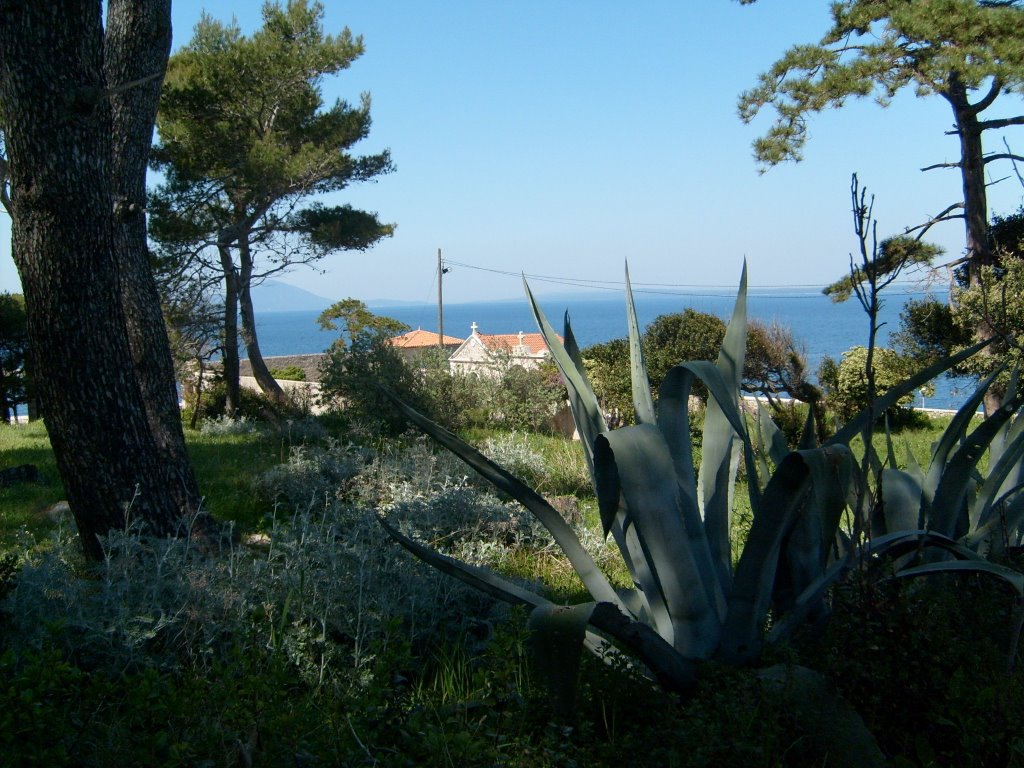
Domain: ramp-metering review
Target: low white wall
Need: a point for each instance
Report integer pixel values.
(303, 391)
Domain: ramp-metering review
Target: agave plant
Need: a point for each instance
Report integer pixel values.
(692, 598)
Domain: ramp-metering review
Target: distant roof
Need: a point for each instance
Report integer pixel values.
(532, 343)
(419, 339)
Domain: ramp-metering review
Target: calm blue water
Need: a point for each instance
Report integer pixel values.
(823, 328)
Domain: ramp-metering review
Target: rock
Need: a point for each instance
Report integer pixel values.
(57, 512)
(257, 540)
(23, 473)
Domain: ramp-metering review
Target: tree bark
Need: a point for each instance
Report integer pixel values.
(231, 372)
(137, 45)
(972, 172)
(67, 242)
(260, 372)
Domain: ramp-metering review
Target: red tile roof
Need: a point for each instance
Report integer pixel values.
(508, 342)
(419, 339)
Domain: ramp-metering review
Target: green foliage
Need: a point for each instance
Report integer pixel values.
(929, 330)
(687, 335)
(358, 320)
(607, 366)
(928, 657)
(995, 302)
(289, 373)
(353, 375)
(879, 48)
(253, 406)
(893, 255)
(13, 351)
(847, 389)
(528, 399)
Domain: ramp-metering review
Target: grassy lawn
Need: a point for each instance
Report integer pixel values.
(225, 465)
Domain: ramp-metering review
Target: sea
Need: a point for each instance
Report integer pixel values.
(819, 326)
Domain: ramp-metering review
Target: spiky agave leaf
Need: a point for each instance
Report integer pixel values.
(808, 546)
(642, 400)
(751, 592)
(642, 486)
(952, 436)
(670, 669)
(719, 454)
(948, 513)
(586, 409)
(593, 579)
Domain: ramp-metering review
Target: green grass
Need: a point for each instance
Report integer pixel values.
(225, 467)
(23, 505)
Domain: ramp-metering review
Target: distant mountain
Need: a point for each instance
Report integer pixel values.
(273, 296)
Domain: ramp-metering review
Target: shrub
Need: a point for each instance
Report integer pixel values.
(289, 373)
(252, 405)
(847, 385)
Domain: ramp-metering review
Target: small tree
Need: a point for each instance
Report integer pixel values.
(244, 141)
(848, 387)
(607, 366)
(361, 361)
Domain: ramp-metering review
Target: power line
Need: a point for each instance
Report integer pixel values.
(663, 289)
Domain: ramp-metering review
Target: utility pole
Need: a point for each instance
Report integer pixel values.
(440, 301)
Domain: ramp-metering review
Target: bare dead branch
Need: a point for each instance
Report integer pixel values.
(941, 165)
(1002, 123)
(1003, 156)
(945, 215)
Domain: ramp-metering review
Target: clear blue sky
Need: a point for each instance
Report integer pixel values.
(561, 138)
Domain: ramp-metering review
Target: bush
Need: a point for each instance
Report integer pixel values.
(254, 406)
(352, 376)
(289, 373)
(846, 384)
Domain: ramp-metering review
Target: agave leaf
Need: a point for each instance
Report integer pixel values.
(888, 399)
(1016, 475)
(948, 508)
(893, 544)
(581, 561)
(715, 478)
(642, 400)
(755, 574)
(674, 423)
(586, 410)
(1009, 462)
(651, 499)
(809, 435)
(806, 549)
(484, 579)
(1005, 518)
(772, 439)
(952, 435)
(1014, 578)
(913, 468)
(901, 501)
(673, 671)
(557, 645)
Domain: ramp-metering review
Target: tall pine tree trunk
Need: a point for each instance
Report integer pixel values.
(976, 226)
(138, 42)
(68, 243)
(260, 372)
(231, 372)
